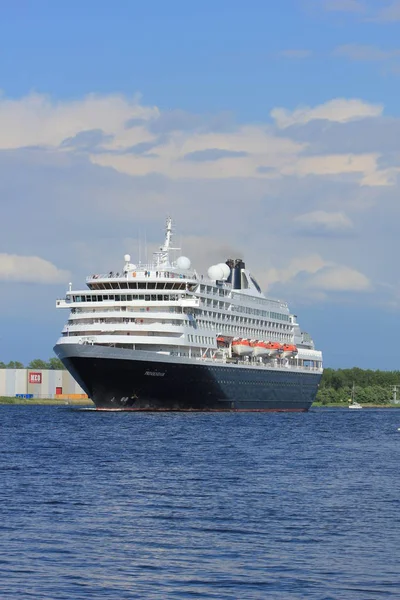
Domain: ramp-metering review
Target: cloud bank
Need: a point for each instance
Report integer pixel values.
(306, 197)
(30, 269)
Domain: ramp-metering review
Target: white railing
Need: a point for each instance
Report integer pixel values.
(250, 364)
(142, 272)
(141, 328)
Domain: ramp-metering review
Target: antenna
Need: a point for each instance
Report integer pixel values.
(162, 256)
(168, 235)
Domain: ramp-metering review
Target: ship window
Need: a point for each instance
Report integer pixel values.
(153, 298)
(147, 298)
(123, 298)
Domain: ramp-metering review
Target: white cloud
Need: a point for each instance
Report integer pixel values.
(363, 165)
(334, 222)
(312, 276)
(36, 120)
(338, 278)
(305, 264)
(121, 133)
(240, 153)
(340, 110)
(30, 269)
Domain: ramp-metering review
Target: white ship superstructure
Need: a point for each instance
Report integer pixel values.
(167, 307)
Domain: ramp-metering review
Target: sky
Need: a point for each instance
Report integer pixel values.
(267, 130)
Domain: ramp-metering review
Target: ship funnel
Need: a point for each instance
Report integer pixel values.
(235, 278)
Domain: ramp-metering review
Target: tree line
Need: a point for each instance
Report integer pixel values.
(53, 363)
(370, 387)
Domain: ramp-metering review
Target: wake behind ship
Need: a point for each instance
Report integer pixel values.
(162, 337)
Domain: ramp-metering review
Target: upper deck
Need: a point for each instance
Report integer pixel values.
(142, 273)
(168, 304)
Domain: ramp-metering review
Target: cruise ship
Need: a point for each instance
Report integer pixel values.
(161, 336)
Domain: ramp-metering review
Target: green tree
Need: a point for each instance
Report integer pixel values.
(14, 364)
(327, 396)
(38, 363)
(2, 365)
(55, 363)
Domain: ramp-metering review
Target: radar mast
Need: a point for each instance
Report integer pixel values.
(162, 257)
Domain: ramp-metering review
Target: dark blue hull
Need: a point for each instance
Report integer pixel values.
(115, 382)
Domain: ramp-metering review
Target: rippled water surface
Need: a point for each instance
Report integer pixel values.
(126, 505)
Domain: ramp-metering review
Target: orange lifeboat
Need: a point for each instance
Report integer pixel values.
(274, 348)
(222, 342)
(289, 350)
(241, 347)
(260, 349)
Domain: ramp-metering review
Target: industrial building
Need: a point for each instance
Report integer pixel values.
(39, 383)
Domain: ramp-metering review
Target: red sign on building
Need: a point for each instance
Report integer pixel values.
(35, 377)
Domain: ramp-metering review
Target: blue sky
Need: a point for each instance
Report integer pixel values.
(266, 129)
(198, 56)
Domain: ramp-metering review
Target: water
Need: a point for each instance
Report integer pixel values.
(225, 506)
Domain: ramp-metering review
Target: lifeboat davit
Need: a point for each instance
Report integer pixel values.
(289, 350)
(260, 349)
(274, 348)
(242, 347)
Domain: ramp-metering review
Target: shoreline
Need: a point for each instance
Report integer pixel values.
(346, 405)
(5, 400)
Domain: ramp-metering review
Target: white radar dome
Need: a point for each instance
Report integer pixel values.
(225, 269)
(183, 263)
(215, 272)
(127, 258)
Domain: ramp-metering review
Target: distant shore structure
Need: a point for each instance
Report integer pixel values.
(161, 336)
(39, 383)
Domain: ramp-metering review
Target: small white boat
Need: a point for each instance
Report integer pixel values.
(355, 405)
(353, 402)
